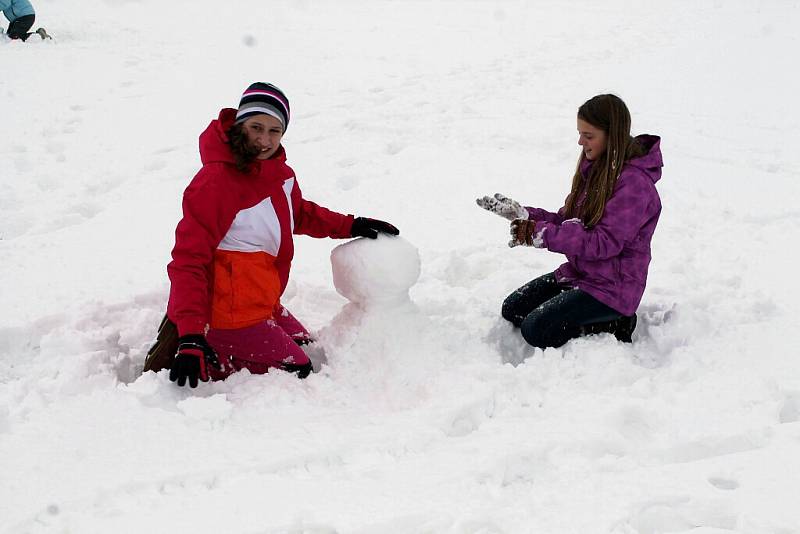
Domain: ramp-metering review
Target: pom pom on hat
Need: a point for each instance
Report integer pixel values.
(263, 98)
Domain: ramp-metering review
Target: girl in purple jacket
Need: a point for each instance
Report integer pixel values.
(604, 229)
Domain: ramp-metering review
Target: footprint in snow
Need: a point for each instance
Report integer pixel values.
(679, 514)
(790, 409)
(469, 419)
(723, 483)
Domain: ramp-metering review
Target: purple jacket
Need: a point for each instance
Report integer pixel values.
(610, 261)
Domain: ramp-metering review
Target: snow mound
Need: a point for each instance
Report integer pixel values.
(378, 271)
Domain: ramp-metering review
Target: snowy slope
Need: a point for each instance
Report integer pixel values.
(405, 111)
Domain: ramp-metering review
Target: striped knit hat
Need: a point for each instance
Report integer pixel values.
(263, 98)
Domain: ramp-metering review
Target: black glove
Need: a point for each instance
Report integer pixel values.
(191, 361)
(302, 370)
(366, 227)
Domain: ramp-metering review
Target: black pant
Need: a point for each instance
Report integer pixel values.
(18, 29)
(549, 314)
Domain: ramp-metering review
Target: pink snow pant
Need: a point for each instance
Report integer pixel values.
(271, 343)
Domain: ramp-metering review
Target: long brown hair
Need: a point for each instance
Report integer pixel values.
(244, 154)
(610, 114)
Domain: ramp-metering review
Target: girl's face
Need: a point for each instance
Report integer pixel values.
(264, 132)
(592, 139)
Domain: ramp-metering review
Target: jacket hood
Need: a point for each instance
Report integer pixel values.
(214, 146)
(651, 162)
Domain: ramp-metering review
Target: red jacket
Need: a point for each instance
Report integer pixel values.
(233, 246)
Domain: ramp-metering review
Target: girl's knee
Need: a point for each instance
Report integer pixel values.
(543, 332)
(514, 309)
(534, 331)
(508, 309)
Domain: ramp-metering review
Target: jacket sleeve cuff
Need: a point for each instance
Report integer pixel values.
(539, 230)
(191, 326)
(348, 224)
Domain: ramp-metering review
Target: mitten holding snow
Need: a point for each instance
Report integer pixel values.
(192, 360)
(523, 232)
(366, 227)
(503, 206)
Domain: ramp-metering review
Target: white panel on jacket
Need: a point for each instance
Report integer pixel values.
(287, 188)
(255, 229)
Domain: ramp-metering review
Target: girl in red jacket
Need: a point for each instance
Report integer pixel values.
(234, 247)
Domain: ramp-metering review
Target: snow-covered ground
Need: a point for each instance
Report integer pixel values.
(422, 422)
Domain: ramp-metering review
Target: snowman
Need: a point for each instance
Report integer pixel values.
(375, 275)
(380, 332)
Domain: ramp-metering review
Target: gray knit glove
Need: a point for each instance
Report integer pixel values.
(503, 206)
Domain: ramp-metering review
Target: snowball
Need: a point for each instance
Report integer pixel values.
(375, 271)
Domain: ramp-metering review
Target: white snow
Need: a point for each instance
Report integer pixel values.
(426, 418)
(375, 272)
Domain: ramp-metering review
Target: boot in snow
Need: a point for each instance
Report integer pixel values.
(622, 328)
